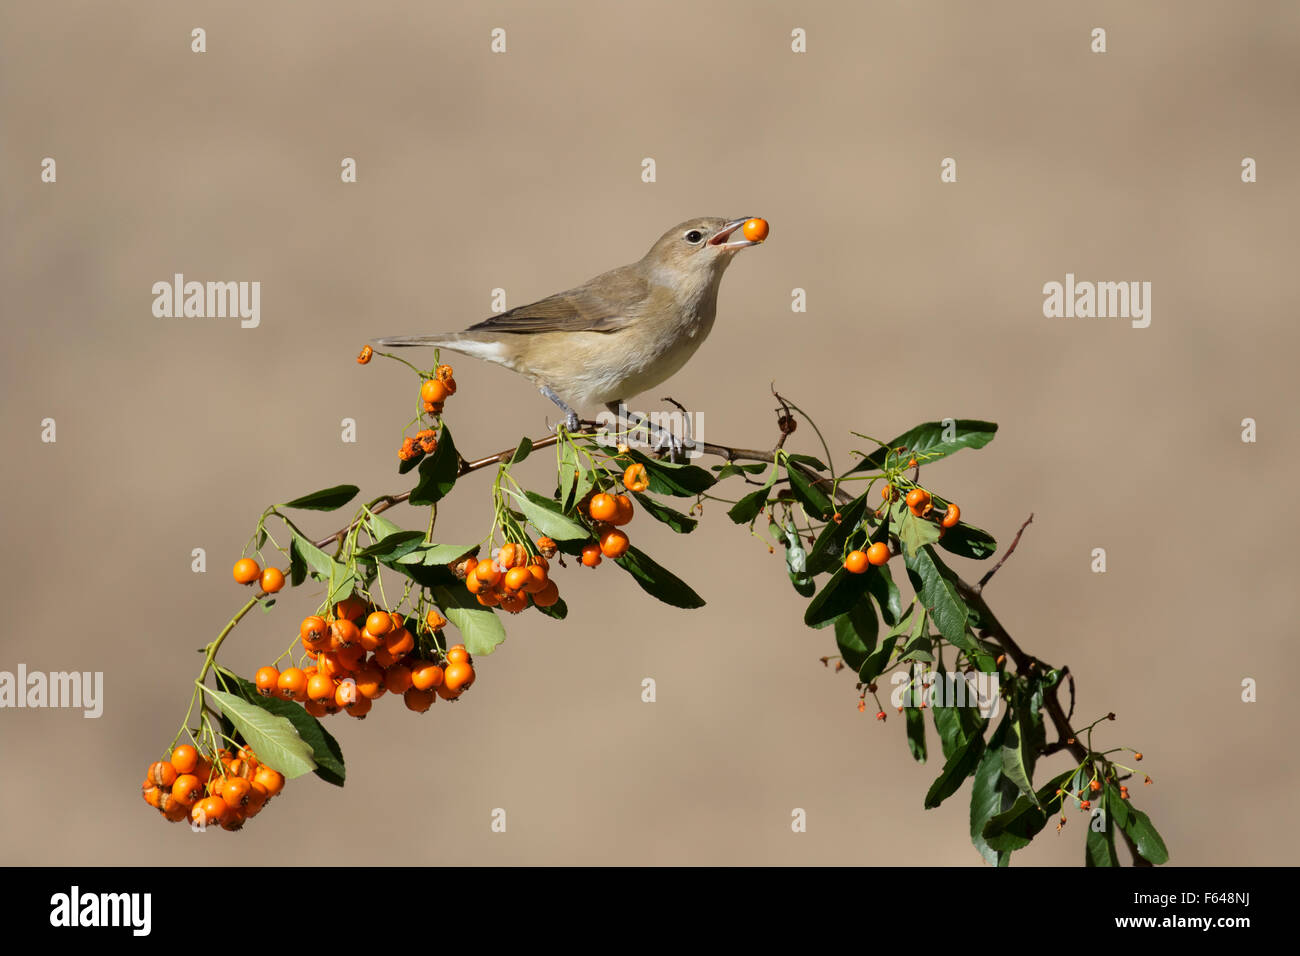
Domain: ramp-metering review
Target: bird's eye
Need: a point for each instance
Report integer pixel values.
(694, 236)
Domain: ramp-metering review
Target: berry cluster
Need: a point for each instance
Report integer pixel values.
(510, 578)
(433, 393)
(921, 505)
(247, 571)
(608, 513)
(189, 786)
(363, 653)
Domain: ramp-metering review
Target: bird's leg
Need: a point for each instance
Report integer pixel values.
(570, 416)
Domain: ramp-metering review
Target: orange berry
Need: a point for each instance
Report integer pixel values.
(951, 516)
(435, 621)
(292, 684)
(472, 583)
(458, 676)
(514, 601)
(488, 598)
(419, 700)
(433, 391)
(1085, 804)
(918, 498)
(366, 353)
(755, 230)
(623, 510)
(614, 544)
(486, 573)
(379, 623)
(320, 688)
(506, 556)
(1137, 756)
(187, 789)
(315, 633)
(547, 596)
(591, 554)
(343, 633)
(399, 642)
(346, 694)
(517, 578)
(878, 553)
(547, 547)
(856, 562)
(458, 655)
(316, 710)
(236, 792)
(538, 578)
(266, 679)
(272, 781)
(603, 507)
(162, 774)
(369, 680)
(209, 810)
(247, 571)
(350, 608)
(425, 675)
(184, 759)
(636, 478)
(397, 679)
(272, 580)
(443, 372)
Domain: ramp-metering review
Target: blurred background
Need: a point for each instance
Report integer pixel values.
(522, 171)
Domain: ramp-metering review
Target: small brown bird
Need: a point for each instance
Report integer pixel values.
(619, 334)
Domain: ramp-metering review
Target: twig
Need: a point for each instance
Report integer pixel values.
(1014, 541)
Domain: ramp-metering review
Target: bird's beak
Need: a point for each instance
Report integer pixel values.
(721, 238)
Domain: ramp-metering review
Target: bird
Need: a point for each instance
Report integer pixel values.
(619, 334)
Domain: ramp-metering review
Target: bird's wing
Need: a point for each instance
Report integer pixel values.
(599, 306)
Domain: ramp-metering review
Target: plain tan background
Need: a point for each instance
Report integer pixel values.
(522, 171)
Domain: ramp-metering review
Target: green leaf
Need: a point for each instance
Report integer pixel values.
(523, 451)
(747, 508)
(1116, 806)
(967, 541)
(480, 627)
(840, 593)
(393, 547)
(433, 555)
(885, 591)
(855, 633)
(568, 474)
(959, 766)
(438, 472)
(325, 749)
(813, 499)
(273, 738)
(991, 794)
(1099, 849)
(559, 610)
(915, 732)
(322, 567)
(545, 515)
(380, 527)
(877, 660)
(929, 440)
(661, 512)
(913, 532)
(935, 586)
(736, 468)
(1014, 828)
(809, 460)
(1016, 765)
(327, 499)
(827, 550)
(1140, 830)
(681, 481)
(657, 581)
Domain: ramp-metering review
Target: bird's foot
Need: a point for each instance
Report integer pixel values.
(571, 421)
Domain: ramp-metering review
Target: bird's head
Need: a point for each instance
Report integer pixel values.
(695, 252)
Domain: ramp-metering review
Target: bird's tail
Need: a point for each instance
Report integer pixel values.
(466, 343)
